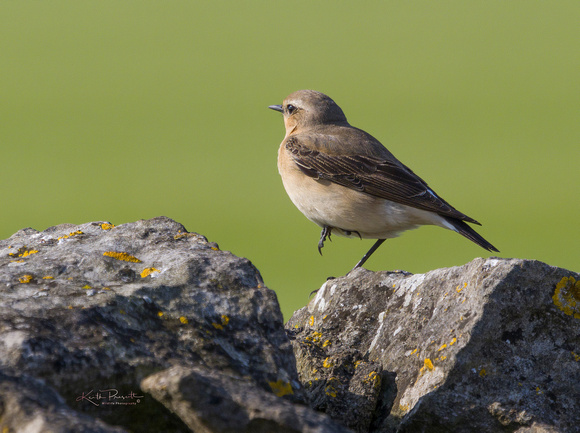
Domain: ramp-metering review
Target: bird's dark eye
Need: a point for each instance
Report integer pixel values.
(290, 108)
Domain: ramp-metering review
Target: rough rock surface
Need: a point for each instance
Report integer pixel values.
(29, 405)
(201, 397)
(491, 346)
(91, 310)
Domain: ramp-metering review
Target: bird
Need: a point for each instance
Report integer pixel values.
(345, 181)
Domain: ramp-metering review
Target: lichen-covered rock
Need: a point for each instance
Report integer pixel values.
(338, 380)
(490, 346)
(201, 397)
(93, 309)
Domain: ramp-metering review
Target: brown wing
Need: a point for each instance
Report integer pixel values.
(378, 177)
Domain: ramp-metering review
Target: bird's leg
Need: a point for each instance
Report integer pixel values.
(361, 262)
(326, 230)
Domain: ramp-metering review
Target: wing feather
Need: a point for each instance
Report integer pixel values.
(380, 177)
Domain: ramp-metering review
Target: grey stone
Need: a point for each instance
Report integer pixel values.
(490, 346)
(212, 402)
(28, 405)
(95, 309)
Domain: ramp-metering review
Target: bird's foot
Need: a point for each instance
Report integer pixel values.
(326, 231)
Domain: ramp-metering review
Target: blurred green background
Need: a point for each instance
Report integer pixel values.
(127, 110)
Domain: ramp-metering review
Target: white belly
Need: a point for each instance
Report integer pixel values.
(346, 210)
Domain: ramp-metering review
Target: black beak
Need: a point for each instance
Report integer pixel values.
(276, 107)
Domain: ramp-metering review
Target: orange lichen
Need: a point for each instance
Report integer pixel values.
(315, 337)
(327, 363)
(23, 252)
(225, 320)
(48, 277)
(25, 279)
(427, 365)
(107, 226)
(330, 391)
(281, 388)
(567, 296)
(148, 271)
(121, 256)
(71, 234)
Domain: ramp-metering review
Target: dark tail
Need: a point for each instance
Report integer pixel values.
(465, 230)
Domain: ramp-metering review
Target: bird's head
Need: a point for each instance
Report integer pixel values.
(307, 109)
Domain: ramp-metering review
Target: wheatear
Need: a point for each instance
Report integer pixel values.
(348, 183)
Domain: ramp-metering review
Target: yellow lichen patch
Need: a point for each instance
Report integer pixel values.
(458, 289)
(442, 347)
(404, 407)
(70, 307)
(70, 235)
(326, 343)
(106, 226)
(576, 357)
(538, 390)
(225, 321)
(184, 320)
(23, 252)
(311, 321)
(567, 296)
(330, 391)
(48, 277)
(453, 341)
(482, 372)
(357, 363)
(281, 388)
(25, 279)
(327, 363)
(160, 313)
(121, 256)
(106, 288)
(373, 378)
(215, 248)
(443, 358)
(414, 351)
(86, 287)
(427, 365)
(314, 337)
(122, 312)
(148, 271)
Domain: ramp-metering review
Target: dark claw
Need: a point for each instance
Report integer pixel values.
(325, 234)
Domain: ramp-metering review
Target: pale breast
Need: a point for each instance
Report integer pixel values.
(328, 204)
